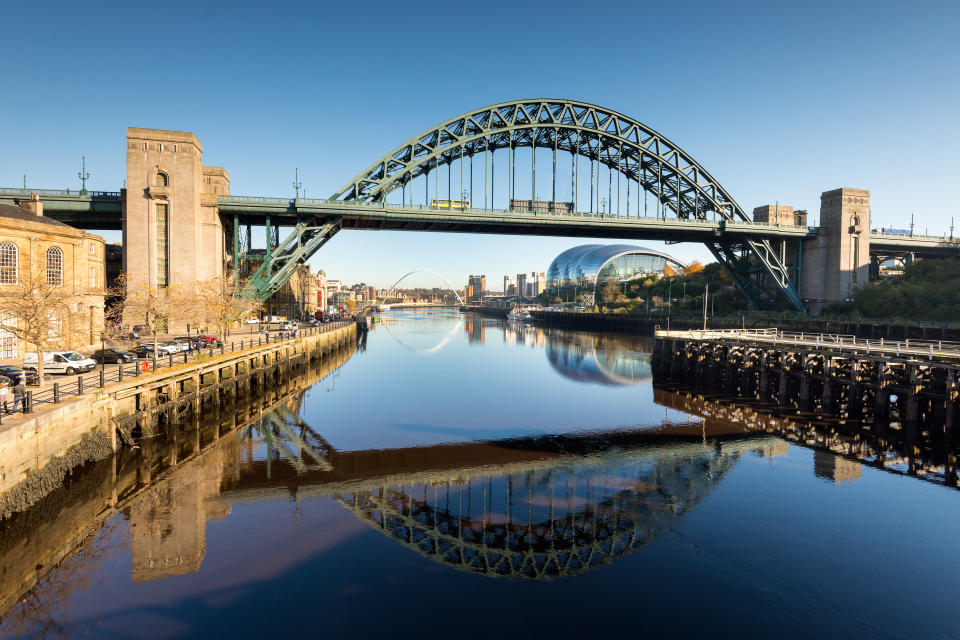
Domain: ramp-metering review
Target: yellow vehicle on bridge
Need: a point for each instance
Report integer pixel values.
(449, 204)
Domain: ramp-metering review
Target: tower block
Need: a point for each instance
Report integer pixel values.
(172, 234)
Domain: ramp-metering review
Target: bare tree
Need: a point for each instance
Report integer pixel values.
(223, 303)
(41, 312)
(152, 306)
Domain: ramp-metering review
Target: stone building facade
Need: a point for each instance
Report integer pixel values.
(171, 202)
(297, 298)
(31, 243)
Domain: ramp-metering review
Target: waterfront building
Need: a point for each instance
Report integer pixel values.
(584, 267)
(321, 289)
(35, 246)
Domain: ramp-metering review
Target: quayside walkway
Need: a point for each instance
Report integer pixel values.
(84, 427)
(936, 350)
(885, 382)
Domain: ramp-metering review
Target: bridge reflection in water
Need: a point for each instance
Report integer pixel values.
(561, 516)
(537, 508)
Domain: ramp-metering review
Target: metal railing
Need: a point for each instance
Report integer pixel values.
(108, 374)
(73, 193)
(475, 210)
(941, 350)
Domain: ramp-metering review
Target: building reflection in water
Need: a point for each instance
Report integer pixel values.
(599, 358)
(168, 521)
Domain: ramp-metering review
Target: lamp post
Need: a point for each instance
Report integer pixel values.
(83, 175)
(669, 300)
(706, 294)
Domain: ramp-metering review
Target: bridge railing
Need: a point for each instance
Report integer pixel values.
(294, 202)
(880, 233)
(907, 348)
(72, 193)
(107, 374)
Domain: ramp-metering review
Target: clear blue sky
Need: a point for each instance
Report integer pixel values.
(778, 101)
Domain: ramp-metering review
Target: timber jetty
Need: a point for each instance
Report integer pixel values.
(883, 381)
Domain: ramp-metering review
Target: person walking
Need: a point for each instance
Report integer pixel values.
(20, 394)
(4, 394)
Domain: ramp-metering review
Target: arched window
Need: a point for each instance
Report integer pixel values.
(54, 266)
(162, 179)
(9, 258)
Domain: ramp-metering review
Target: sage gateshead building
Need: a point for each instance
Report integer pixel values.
(586, 266)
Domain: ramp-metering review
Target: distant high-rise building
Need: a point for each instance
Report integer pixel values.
(476, 288)
(509, 285)
(539, 283)
(522, 285)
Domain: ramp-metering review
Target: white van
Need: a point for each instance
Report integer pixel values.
(273, 319)
(68, 362)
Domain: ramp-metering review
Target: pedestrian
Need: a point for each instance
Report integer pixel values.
(20, 394)
(4, 393)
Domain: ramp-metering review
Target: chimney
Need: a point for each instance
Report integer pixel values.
(33, 205)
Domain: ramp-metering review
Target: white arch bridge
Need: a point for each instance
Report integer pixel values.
(406, 275)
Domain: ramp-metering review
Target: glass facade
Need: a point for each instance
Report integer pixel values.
(588, 265)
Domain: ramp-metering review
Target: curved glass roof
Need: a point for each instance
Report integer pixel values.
(584, 263)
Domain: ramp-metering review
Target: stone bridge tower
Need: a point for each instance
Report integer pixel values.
(837, 262)
(172, 234)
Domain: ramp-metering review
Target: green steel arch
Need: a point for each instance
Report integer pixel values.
(683, 187)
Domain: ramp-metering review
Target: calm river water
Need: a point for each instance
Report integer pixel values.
(462, 477)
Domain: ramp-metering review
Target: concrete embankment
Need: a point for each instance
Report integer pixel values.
(496, 312)
(36, 452)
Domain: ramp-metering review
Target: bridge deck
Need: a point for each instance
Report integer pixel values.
(104, 210)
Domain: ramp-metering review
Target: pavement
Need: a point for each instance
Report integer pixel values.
(245, 333)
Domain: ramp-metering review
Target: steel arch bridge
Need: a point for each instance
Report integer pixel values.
(683, 188)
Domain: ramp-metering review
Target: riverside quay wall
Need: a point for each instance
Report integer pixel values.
(646, 324)
(38, 451)
(904, 383)
(192, 463)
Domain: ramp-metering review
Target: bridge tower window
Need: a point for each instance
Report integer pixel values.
(9, 257)
(162, 180)
(161, 227)
(54, 266)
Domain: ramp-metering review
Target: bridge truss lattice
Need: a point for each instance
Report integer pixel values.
(683, 188)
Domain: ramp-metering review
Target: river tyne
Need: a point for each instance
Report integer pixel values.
(461, 476)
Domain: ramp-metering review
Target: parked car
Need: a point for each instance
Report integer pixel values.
(68, 362)
(13, 373)
(191, 341)
(162, 349)
(209, 341)
(253, 321)
(185, 344)
(145, 351)
(173, 344)
(112, 356)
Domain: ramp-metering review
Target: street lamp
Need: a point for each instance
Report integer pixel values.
(669, 300)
